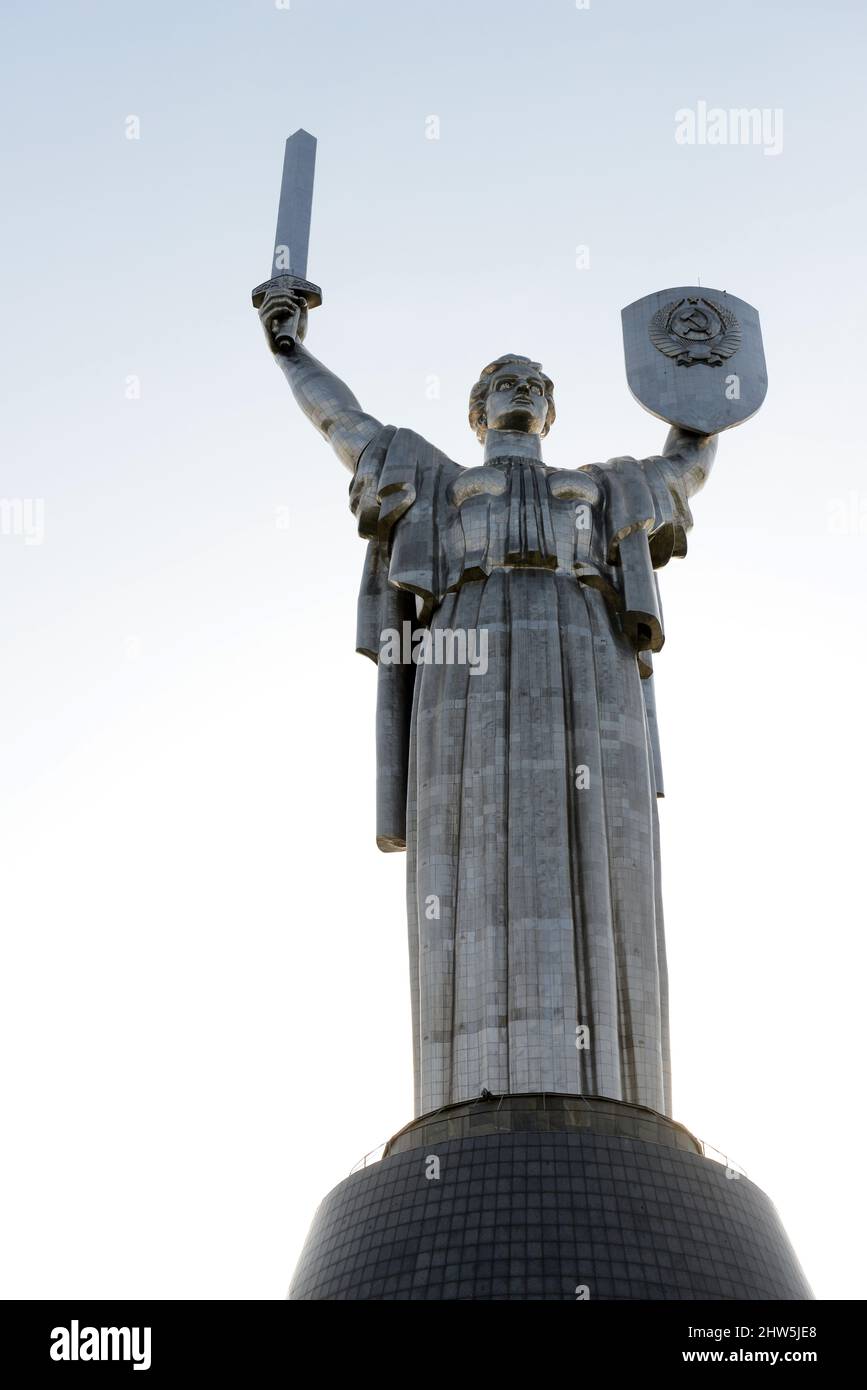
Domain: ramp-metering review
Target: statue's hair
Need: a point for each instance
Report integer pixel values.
(479, 393)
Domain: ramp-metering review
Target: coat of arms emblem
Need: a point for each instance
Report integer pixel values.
(695, 326)
(695, 330)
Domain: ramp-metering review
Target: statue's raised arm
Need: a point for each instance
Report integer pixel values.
(327, 401)
(691, 458)
(283, 303)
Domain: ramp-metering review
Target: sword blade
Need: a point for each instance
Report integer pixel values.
(296, 203)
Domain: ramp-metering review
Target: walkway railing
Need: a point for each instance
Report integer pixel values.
(733, 1169)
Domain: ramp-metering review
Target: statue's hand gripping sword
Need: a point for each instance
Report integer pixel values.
(288, 288)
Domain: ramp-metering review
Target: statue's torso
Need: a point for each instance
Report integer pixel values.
(515, 512)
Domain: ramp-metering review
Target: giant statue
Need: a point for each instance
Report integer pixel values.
(513, 612)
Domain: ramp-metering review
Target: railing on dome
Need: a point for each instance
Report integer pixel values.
(733, 1169)
(373, 1157)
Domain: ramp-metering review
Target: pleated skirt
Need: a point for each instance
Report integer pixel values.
(537, 954)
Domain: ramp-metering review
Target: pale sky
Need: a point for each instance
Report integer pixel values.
(205, 999)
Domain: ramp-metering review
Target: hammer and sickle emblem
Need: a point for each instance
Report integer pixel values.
(695, 330)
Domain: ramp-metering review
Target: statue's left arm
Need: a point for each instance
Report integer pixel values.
(672, 478)
(652, 495)
(647, 518)
(690, 458)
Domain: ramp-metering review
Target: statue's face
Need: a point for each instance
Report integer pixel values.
(516, 399)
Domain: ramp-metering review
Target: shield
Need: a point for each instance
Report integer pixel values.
(694, 357)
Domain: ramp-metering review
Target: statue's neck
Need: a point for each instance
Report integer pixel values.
(502, 443)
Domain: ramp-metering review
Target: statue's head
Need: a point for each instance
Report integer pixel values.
(512, 393)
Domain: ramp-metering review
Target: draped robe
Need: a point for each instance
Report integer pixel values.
(524, 793)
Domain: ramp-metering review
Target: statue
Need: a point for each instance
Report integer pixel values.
(513, 612)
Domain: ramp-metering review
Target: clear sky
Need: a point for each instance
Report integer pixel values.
(205, 1004)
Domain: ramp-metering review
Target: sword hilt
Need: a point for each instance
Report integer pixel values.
(292, 285)
(289, 284)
